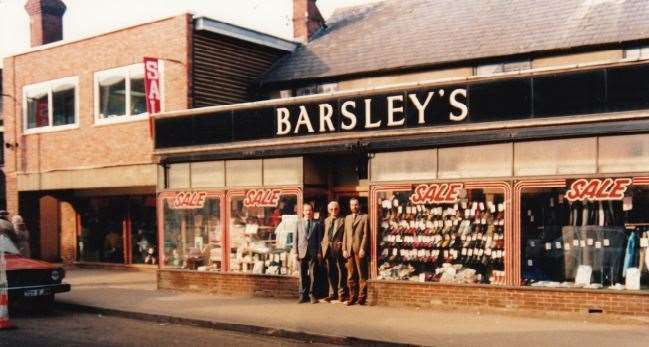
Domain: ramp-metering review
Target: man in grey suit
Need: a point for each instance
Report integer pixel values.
(355, 250)
(332, 251)
(306, 247)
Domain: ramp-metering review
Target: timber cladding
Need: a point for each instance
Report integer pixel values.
(425, 295)
(224, 69)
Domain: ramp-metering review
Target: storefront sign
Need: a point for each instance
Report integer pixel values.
(262, 198)
(343, 115)
(152, 85)
(189, 200)
(597, 189)
(436, 193)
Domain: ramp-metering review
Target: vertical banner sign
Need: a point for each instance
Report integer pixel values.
(152, 88)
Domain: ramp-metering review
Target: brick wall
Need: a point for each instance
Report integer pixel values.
(229, 284)
(425, 295)
(92, 146)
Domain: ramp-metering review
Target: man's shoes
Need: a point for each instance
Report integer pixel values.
(331, 298)
(314, 300)
(302, 301)
(362, 302)
(350, 302)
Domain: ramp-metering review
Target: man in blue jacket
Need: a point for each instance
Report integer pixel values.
(308, 237)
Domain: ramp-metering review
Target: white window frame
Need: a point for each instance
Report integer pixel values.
(125, 72)
(48, 86)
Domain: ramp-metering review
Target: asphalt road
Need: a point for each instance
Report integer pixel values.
(63, 328)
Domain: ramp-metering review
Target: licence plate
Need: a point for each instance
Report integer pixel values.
(36, 292)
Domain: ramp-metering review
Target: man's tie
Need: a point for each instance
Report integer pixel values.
(331, 230)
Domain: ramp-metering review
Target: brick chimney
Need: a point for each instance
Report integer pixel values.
(46, 20)
(306, 19)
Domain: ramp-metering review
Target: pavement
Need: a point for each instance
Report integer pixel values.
(133, 294)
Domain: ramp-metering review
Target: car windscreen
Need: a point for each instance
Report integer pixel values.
(6, 245)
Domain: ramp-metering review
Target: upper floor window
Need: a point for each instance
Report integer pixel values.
(51, 105)
(491, 69)
(637, 53)
(119, 94)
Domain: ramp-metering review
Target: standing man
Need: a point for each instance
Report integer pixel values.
(332, 250)
(308, 252)
(355, 250)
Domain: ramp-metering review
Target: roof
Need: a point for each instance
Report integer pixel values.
(396, 34)
(241, 33)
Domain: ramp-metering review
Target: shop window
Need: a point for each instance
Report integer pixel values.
(441, 233)
(261, 233)
(243, 173)
(119, 94)
(283, 171)
(399, 166)
(555, 157)
(591, 234)
(51, 105)
(178, 176)
(193, 231)
(626, 153)
(476, 161)
(209, 174)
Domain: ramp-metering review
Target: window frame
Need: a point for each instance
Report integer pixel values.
(48, 86)
(124, 71)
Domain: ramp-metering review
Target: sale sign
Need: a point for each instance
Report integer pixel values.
(152, 88)
(436, 193)
(188, 200)
(598, 189)
(262, 198)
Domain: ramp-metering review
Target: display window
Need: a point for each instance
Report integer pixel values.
(192, 230)
(585, 233)
(262, 224)
(448, 232)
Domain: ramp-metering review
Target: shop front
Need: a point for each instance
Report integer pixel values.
(525, 192)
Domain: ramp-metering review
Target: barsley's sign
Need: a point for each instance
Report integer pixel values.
(436, 106)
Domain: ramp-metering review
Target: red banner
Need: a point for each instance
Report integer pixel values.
(596, 189)
(262, 198)
(152, 88)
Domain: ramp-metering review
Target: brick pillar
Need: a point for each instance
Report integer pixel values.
(49, 221)
(46, 20)
(68, 219)
(307, 19)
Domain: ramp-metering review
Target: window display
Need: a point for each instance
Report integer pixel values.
(442, 233)
(193, 231)
(262, 224)
(593, 233)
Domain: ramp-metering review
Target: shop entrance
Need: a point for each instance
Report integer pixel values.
(344, 197)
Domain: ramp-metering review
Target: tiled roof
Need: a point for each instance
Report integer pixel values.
(397, 34)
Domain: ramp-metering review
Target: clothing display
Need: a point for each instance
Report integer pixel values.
(560, 236)
(459, 242)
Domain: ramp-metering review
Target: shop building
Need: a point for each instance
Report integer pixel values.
(503, 163)
(78, 140)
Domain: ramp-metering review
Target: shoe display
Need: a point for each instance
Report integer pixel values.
(423, 242)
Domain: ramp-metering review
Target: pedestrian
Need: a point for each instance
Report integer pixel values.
(355, 250)
(332, 251)
(308, 252)
(22, 235)
(6, 227)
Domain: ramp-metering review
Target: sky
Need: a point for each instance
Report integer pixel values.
(89, 17)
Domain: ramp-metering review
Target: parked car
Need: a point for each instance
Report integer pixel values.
(28, 279)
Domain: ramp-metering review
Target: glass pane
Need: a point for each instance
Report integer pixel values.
(102, 229)
(193, 236)
(112, 96)
(63, 104)
(626, 153)
(144, 237)
(459, 238)
(243, 173)
(37, 109)
(555, 157)
(283, 171)
(138, 102)
(178, 176)
(476, 161)
(208, 174)
(261, 237)
(400, 166)
(585, 243)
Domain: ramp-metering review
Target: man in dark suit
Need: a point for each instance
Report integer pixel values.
(332, 251)
(355, 250)
(308, 237)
